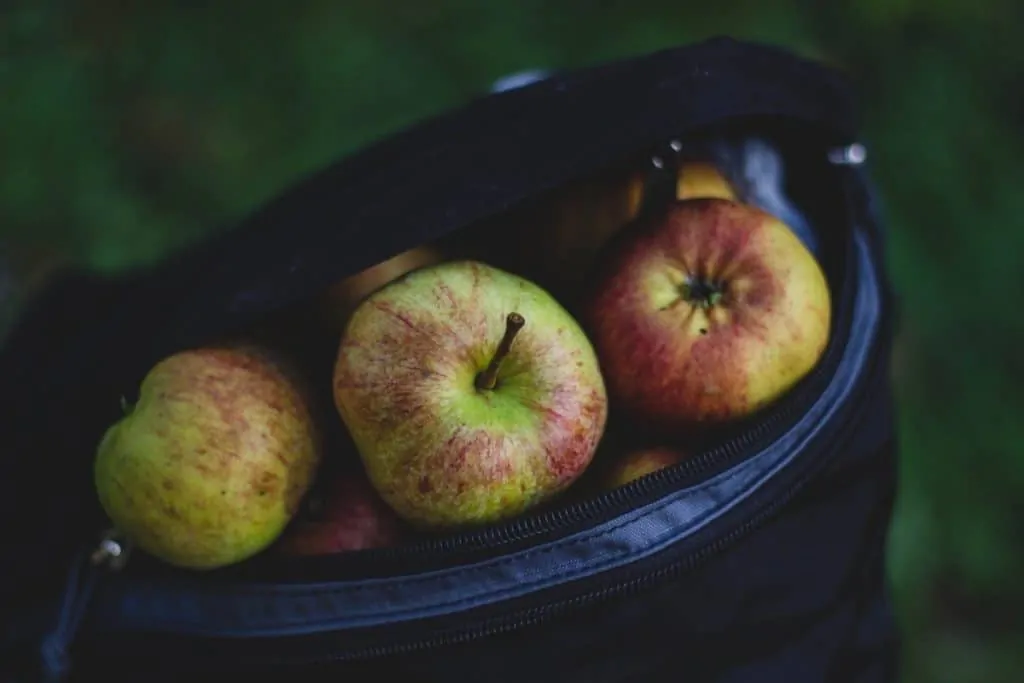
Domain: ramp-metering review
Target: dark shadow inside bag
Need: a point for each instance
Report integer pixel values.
(759, 559)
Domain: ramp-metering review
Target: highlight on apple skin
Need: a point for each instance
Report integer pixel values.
(707, 313)
(470, 393)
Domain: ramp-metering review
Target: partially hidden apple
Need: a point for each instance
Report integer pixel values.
(702, 180)
(708, 312)
(579, 221)
(555, 240)
(347, 514)
(344, 296)
(640, 463)
(470, 393)
(213, 460)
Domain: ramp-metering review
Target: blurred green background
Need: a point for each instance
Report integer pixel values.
(129, 128)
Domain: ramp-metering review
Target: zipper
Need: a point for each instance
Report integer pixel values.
(109, 555)
(611, 502)
(764, 430)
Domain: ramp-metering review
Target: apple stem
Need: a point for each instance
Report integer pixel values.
(703, 294)
(488, 379)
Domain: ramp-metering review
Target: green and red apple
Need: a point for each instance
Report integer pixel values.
(213, 460)
(708, 312)
(471, 394)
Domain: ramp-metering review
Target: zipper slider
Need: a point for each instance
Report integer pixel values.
(110, 554)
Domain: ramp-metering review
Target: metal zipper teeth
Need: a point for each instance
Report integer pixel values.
(538, 615)
(623, 498)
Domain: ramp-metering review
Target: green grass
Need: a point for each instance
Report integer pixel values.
(131, 129)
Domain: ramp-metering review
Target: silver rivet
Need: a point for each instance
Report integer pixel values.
(111, 548)
(851, 155)
(676, 146)
(657, 162)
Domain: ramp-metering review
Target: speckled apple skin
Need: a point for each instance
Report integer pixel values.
(440, 451)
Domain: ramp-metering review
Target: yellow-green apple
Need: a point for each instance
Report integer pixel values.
(640, 463)
(345, 295)
(707, 312)
(213, 460)
(470, 393)
(700, 179)
(347, 514)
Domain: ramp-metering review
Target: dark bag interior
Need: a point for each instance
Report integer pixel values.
(758, 560)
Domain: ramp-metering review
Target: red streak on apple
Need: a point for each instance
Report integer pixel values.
(223, 376)
(212, 461)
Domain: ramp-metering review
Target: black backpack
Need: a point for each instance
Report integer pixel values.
(760, 559)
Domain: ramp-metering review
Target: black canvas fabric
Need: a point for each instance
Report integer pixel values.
(788, 586)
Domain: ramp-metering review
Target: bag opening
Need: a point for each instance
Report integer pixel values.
(449, 182)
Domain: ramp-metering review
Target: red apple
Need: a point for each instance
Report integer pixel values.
(640, 463)
(347, 515)
(708, 312)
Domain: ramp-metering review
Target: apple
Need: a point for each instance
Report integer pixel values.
(640, 463)
(470, 394)
(213, 460)
(707, 312)
(700, 179)
(347, 514)
(345, 295)
(576, 225)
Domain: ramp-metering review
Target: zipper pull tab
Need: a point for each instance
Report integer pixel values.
(109, 555)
